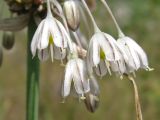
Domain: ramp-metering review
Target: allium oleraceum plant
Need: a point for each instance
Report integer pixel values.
(54, 32)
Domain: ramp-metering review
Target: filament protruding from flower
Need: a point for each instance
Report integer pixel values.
(149, 69)
(52, 53)
(83, 97)
(96, 29)
(121, 34)
(108, 67)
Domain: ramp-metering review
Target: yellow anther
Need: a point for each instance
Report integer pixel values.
(121, 77)
(83, 97)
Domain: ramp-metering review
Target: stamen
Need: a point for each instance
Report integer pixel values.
(83, 97)
(63, 100)
(99, 68)
(52, 53)
(121, 77)
(108, 67)
(134, 74)
(61, 52)
(149, 69)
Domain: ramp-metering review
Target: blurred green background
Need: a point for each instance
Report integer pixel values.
(139, 19)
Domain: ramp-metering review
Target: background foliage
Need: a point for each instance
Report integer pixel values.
(139, 19)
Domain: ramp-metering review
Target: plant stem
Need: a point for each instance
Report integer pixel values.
(96, 29)
(121, 34)
(137, 101)
(32, 102)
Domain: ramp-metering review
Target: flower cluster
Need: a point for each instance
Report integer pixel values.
(60, 37)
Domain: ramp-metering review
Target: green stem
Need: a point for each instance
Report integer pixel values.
(32, 78)
(121, 34)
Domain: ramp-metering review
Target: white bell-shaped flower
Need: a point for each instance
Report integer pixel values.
(103, 52)
(76, 72)
(49, 34)
(137, 56)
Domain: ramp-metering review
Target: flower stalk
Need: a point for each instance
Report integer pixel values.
(121, 34)
(137, 101)
(32, 102)
(96, 29)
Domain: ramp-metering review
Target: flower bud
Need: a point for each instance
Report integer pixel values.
(1, 56)
(91, 102)
(8, 40)
(72, 14)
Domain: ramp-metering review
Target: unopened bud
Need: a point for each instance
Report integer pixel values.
(8, 40)
(91, 102)
(72, 14)
(1, 56)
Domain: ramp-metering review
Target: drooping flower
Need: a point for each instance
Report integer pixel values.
(49, 34)
(137, 56)
(76, 71)
(104, 52)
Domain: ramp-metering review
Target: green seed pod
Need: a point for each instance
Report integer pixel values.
(1, 56)
(72, 14)
(8, 40)
(91, 102)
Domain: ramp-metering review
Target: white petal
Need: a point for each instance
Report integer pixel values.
(129, 61)
(113, 44)
(43, 55)
(121, 51)
(118, 66)
(89, 64)
(101, 69)
(60, 39)
(96, 52)
(36, 38)
(132, 55)
(81, 82)
(44, 38)
(94, 87)
(90, 55)
(68, 79)
(105, 45)
(55, 32)
(59, 53)
(142, 55)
